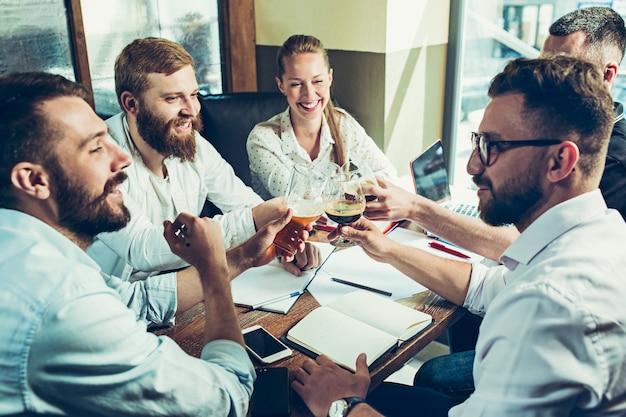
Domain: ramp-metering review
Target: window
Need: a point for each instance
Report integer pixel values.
(35, 37)
(111, 25)
(80, 39)
(495, 32)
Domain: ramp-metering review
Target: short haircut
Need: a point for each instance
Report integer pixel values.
(604, 27)
(27, 134)
(564, 98)
(146, 56)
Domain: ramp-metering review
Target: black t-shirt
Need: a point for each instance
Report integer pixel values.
(613, 182)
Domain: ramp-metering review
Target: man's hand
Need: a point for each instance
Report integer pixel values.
(259, 249)
(369, 237)
(269, 210)
(393, 203)
(308, 258)
(200, 244)
(320, 382)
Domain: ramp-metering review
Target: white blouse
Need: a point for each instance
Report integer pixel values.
(273, 150)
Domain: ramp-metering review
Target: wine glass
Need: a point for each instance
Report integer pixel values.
(367, 177)
(305, 196)
(345, 202)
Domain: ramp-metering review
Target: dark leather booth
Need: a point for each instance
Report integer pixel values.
(228, 119)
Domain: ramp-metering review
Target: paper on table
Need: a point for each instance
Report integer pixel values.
(417, 240)
(353, 264)
(257, 285)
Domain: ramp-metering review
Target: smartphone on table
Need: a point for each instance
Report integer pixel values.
(263, 345)
(271, 393)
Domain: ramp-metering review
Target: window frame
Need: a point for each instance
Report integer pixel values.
(238, 43)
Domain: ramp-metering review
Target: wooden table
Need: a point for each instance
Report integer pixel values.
(189, 333)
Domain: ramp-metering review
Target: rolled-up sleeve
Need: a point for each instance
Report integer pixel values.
(485, 283)
(229, 193)
(93, 348)
(153, 300)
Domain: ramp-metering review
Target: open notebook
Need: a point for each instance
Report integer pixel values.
(430, 178)
(356, 322)
(256, 286)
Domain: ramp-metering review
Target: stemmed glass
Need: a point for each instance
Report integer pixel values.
(306, 197)
(367, 177)
(345, 202)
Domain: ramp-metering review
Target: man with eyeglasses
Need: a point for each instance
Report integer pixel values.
(484, 145)
(552, 339)
(595, 34)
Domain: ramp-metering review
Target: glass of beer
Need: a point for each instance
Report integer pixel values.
(345, 202)
(305, 196)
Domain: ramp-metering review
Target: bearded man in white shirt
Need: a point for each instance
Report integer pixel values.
(174, 170)
(552, 339)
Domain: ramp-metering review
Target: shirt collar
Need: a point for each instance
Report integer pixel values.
(288, 135)
(550, 225)
(619, 112)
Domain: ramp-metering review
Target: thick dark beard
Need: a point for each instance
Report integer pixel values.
(84, 214)
(514, 202)
(160, 135)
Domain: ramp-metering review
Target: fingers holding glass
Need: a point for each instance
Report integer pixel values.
(305, 196)
(345, 202)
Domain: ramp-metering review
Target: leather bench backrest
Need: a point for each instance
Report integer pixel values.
(228, 119)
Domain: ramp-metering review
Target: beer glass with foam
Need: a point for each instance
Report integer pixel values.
(305, 196)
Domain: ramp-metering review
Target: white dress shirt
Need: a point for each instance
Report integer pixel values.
(553, 338)
(68, 346)
(273, 150)
(139, 252)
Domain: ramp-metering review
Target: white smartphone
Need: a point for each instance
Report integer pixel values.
(263, 346)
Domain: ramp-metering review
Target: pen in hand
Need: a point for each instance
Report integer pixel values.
(182, 232)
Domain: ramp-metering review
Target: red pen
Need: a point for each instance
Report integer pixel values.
(390, 227)
(325, 227)
(439, 246)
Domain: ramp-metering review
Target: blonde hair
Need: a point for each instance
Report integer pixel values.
(301, 44)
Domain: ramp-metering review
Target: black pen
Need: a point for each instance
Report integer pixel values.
(181, 233)
(363, 287)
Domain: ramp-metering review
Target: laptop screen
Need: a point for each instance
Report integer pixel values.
(430, 176)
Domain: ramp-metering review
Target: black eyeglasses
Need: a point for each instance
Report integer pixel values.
(484, 145)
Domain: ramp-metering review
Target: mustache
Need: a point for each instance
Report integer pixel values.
(110, 185)
(181, 120)
(481, 182)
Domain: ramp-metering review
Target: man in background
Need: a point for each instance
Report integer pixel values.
(174, 170)
(552, 338)
(595, 34)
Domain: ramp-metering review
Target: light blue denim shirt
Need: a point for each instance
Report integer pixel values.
(68, 346)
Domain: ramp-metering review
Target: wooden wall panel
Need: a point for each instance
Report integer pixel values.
(239, 43)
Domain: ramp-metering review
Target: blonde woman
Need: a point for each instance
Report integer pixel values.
(311, 130)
